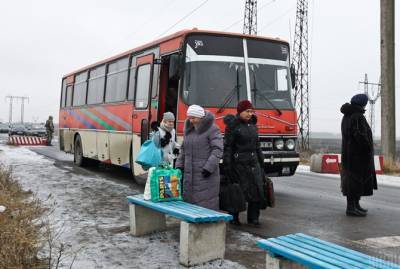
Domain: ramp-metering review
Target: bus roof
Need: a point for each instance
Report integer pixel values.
(181, 34)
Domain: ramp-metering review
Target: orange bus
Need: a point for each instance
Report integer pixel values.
(106, 108)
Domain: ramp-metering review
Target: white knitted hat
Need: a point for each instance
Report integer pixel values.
(196, 111)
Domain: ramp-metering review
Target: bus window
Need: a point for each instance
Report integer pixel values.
(132, 70)
(63, 93)
(142, 86)
(117, 80)
(80, 89)
(96, 85)
(69, 96)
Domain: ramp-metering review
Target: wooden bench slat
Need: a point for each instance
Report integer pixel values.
(196, 209)
(296, 256)
(346, 252)
(312, 254)
(347, 262)
(182, 210)
(174, 209)
(195, 212)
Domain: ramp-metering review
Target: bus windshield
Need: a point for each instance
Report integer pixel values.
(215, 72)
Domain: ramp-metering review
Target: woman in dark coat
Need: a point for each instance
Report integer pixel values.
(244, 160)
(199, 158)
(358, 176)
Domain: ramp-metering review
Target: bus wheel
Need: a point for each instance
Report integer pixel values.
(78, 153)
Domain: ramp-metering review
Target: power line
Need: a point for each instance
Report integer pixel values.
(277, 18)
(184, 17)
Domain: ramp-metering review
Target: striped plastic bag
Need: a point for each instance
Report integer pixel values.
(165, 184)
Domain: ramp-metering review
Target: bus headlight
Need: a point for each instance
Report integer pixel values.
(279, 144)
(290, 144)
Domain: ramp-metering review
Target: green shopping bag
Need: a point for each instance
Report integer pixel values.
(165, 184)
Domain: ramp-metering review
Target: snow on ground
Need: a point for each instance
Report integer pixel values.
(383, 180)
(93, 214)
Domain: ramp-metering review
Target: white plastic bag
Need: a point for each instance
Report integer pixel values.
(147, 192)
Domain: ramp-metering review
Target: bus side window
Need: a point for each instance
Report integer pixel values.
(63, 93)
(69, 96)
(142, 86)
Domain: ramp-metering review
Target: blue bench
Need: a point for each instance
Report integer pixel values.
(312, 252)
(202, 231)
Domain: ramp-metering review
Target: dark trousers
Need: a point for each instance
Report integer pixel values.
(253, 212)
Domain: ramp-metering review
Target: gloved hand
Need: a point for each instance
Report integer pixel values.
(206, 173)
(175, 151)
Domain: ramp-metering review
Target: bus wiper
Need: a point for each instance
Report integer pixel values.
(266, 99)
(257, 93)
(230, 95)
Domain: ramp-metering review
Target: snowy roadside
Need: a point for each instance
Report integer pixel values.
(93, 214)
(383, 180)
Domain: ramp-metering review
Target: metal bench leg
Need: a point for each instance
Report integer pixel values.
(201, 242)
(144, 220)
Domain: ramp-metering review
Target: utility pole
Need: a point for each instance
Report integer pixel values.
(250, 17)
(11, 99)
(388, 104)
(300, 67)
(372, 98)
(22, 107)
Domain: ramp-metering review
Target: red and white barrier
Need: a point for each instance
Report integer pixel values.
(27, 140)
(330, 163)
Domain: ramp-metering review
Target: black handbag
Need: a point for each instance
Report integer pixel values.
(231, 198)
(268, 187)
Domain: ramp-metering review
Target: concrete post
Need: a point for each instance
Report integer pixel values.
(144, 221)
(201, 242)
(388, 120)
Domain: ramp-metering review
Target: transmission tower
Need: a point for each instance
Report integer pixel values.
(250, 17)
(11, 99)
(300, 66)
(372, 98)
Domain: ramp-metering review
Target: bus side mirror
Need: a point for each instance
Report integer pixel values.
(174, 66)
(293, 75)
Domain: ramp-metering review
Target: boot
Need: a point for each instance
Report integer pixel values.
(359, 207)
(235, 221)
(352, 210)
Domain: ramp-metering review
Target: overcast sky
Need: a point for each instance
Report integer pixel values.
(42, 40)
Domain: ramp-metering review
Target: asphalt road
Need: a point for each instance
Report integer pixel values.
(305, 203)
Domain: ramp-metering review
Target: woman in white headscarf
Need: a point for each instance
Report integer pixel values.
(199, 158)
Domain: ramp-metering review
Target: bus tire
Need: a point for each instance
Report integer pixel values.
(78, 152)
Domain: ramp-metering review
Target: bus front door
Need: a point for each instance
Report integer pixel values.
(142, 105)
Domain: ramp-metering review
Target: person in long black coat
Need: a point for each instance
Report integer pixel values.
(243, 160)
(358, 176)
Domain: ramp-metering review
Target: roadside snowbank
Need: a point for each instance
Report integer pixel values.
(384, 180)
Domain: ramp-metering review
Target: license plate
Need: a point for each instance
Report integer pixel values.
(285, 170)
(266, 144)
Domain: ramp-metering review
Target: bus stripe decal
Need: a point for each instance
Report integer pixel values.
(97, 119)
(113, 117)
(96, 125)
(79, 118)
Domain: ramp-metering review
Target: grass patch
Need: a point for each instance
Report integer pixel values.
(20, 232)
